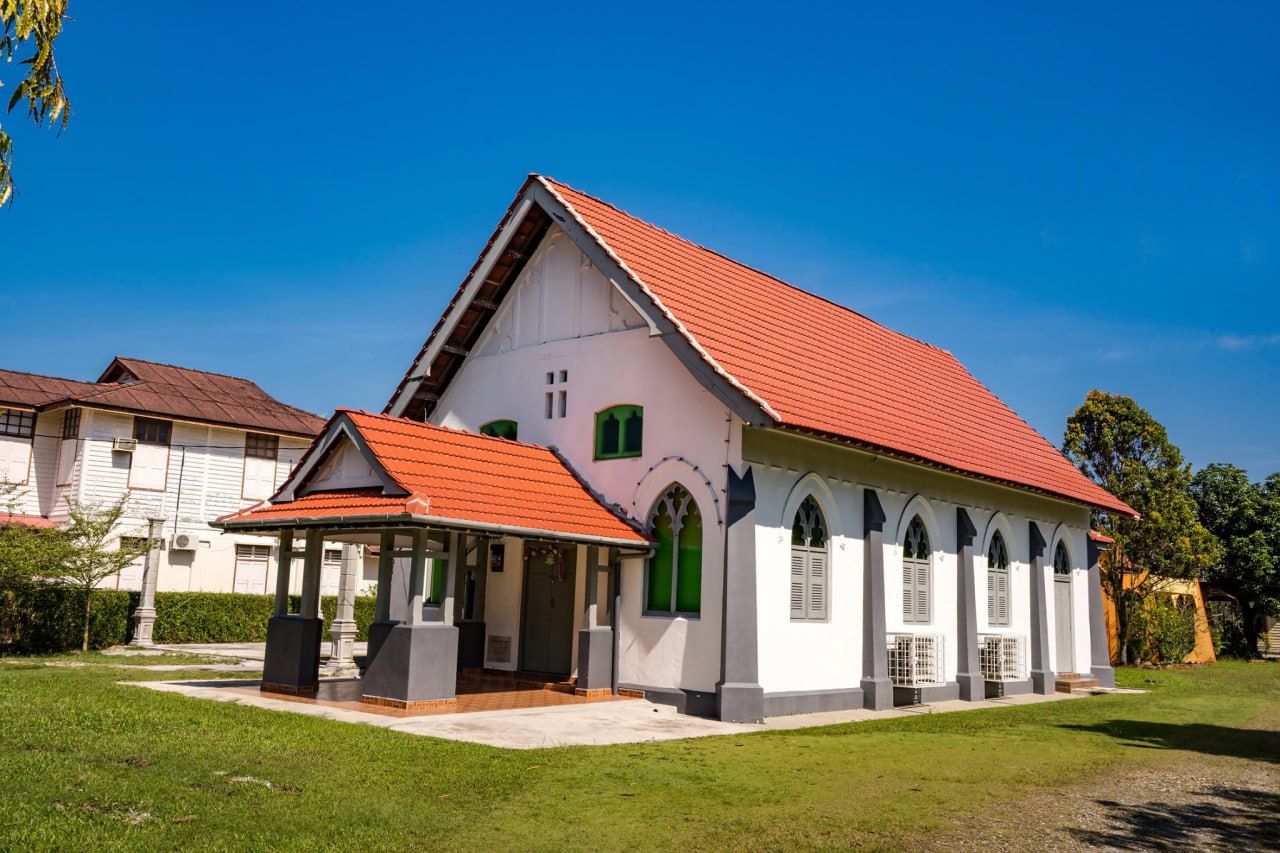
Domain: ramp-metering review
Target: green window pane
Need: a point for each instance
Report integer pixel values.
(619, 432)
(633, 432)
(439, 568)
(660, 565)
(689, 578)
(501, 429)
(609, 435)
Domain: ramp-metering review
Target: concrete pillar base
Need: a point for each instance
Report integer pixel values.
(377, 635)
(595, 659)
(1042, 682)
(877, 693)
(470, 644)
(292, 659)
(1105, 675)
(415, 663)
(973, 688)
(144, 620)
(740, 703)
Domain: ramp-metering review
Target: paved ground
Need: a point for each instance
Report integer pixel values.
(632, 721)
(243, 651)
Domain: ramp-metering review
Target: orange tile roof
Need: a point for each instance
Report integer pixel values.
(38, 521)
(816, 366)
(463, 478)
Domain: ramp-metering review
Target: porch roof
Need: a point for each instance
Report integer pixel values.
(435, 476)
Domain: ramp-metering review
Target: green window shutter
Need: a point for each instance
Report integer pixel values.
(661, 565)
(439, 568)
(619, 432)
(689, 574)
(501, 429)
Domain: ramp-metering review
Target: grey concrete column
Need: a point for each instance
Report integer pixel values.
(1099, 648)
(417, 578)
(311, 565)
(471, 630)
(342, 633)
(595, 641)
(877, 690)
(386, 560)
(144, 618)
(1042, 676)
(973, 687)
(284, 568)
(739, 696)
(453, 568)
(591, 588)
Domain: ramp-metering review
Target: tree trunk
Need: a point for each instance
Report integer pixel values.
(1249, 620)
(88, 604)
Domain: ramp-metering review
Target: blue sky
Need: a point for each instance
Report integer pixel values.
(1069, 199)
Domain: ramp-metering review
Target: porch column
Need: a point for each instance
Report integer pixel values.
(342, 633)
(1099, 648)
(382, 622)
(1042, 676)
(877, 690)
(292, 660)
(973, 687)
(453, 569)
(739, 696)
(595, 641)
(284, 568)
(144, 618)
(416, 666)
(471, 624)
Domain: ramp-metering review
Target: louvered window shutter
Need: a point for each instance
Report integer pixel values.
(817, 584)
(1002, 597)
(908, 591)
(922, 591)
(991, 596)
(799, 571)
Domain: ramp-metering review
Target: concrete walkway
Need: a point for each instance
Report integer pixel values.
(243, 651)
(633, 721)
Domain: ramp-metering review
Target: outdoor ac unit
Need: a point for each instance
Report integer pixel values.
(184, 542)
(124, 445)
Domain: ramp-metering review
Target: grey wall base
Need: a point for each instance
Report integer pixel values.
(811, 701)
(929, 693)
(470, 644)
(595, 658)
(740, 703)
(377, 635)
(292, 658)
(698, 703)
(996, 689)
(1042, 681)
(1105, 675)
(415, 663)
(973, 688)
(877, 693)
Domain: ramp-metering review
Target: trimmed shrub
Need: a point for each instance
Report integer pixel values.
(1161, 631)
(43, 619)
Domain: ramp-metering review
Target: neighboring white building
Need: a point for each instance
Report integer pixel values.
(187, 445)
(838, 514)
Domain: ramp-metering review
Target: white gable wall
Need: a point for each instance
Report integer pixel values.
(562, 315)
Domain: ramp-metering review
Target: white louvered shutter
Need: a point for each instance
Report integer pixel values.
(817, 584)
(799, 571)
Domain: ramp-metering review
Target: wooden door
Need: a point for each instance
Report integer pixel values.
(546, 625)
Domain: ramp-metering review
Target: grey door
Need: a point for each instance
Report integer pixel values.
(546, 625)
(1063, 659)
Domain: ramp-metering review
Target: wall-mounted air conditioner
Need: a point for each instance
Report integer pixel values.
(124, 445)
(184, 542)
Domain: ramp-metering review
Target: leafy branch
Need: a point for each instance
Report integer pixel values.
(37, 22)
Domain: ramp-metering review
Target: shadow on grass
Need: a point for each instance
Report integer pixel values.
(1255, 744)
(1220, 818)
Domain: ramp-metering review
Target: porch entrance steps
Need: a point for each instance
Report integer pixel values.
(1074, 682)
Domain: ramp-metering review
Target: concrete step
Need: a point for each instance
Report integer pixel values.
(1071, 682)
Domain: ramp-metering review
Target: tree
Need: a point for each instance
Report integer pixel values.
(37, 22)
(1245, 518)
(1120, 446)
(92, 550)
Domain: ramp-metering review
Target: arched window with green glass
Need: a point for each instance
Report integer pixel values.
(673, 577)
(619, 432)
(501, 429)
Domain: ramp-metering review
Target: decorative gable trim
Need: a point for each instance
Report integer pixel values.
(339, 428)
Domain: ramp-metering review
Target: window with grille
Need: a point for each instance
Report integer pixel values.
(810, 563)
(673, 577)
(507, 429)
(997, 582)
(152, 431)
(17, 423)
(261, 446)
(916, 574)
(1061, 562)
(619, 432)
(71, 424)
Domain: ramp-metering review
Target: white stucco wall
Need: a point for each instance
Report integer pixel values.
(801, 656)
(562, 315)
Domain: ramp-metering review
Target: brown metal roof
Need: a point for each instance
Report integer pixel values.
(166, 390)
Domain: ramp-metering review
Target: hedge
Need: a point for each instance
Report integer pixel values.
(42, 619)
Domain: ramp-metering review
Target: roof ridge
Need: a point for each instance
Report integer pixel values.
(49, 376)
(184, 367)
(745, 266)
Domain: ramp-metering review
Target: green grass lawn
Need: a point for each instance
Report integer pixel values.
(86, 762)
